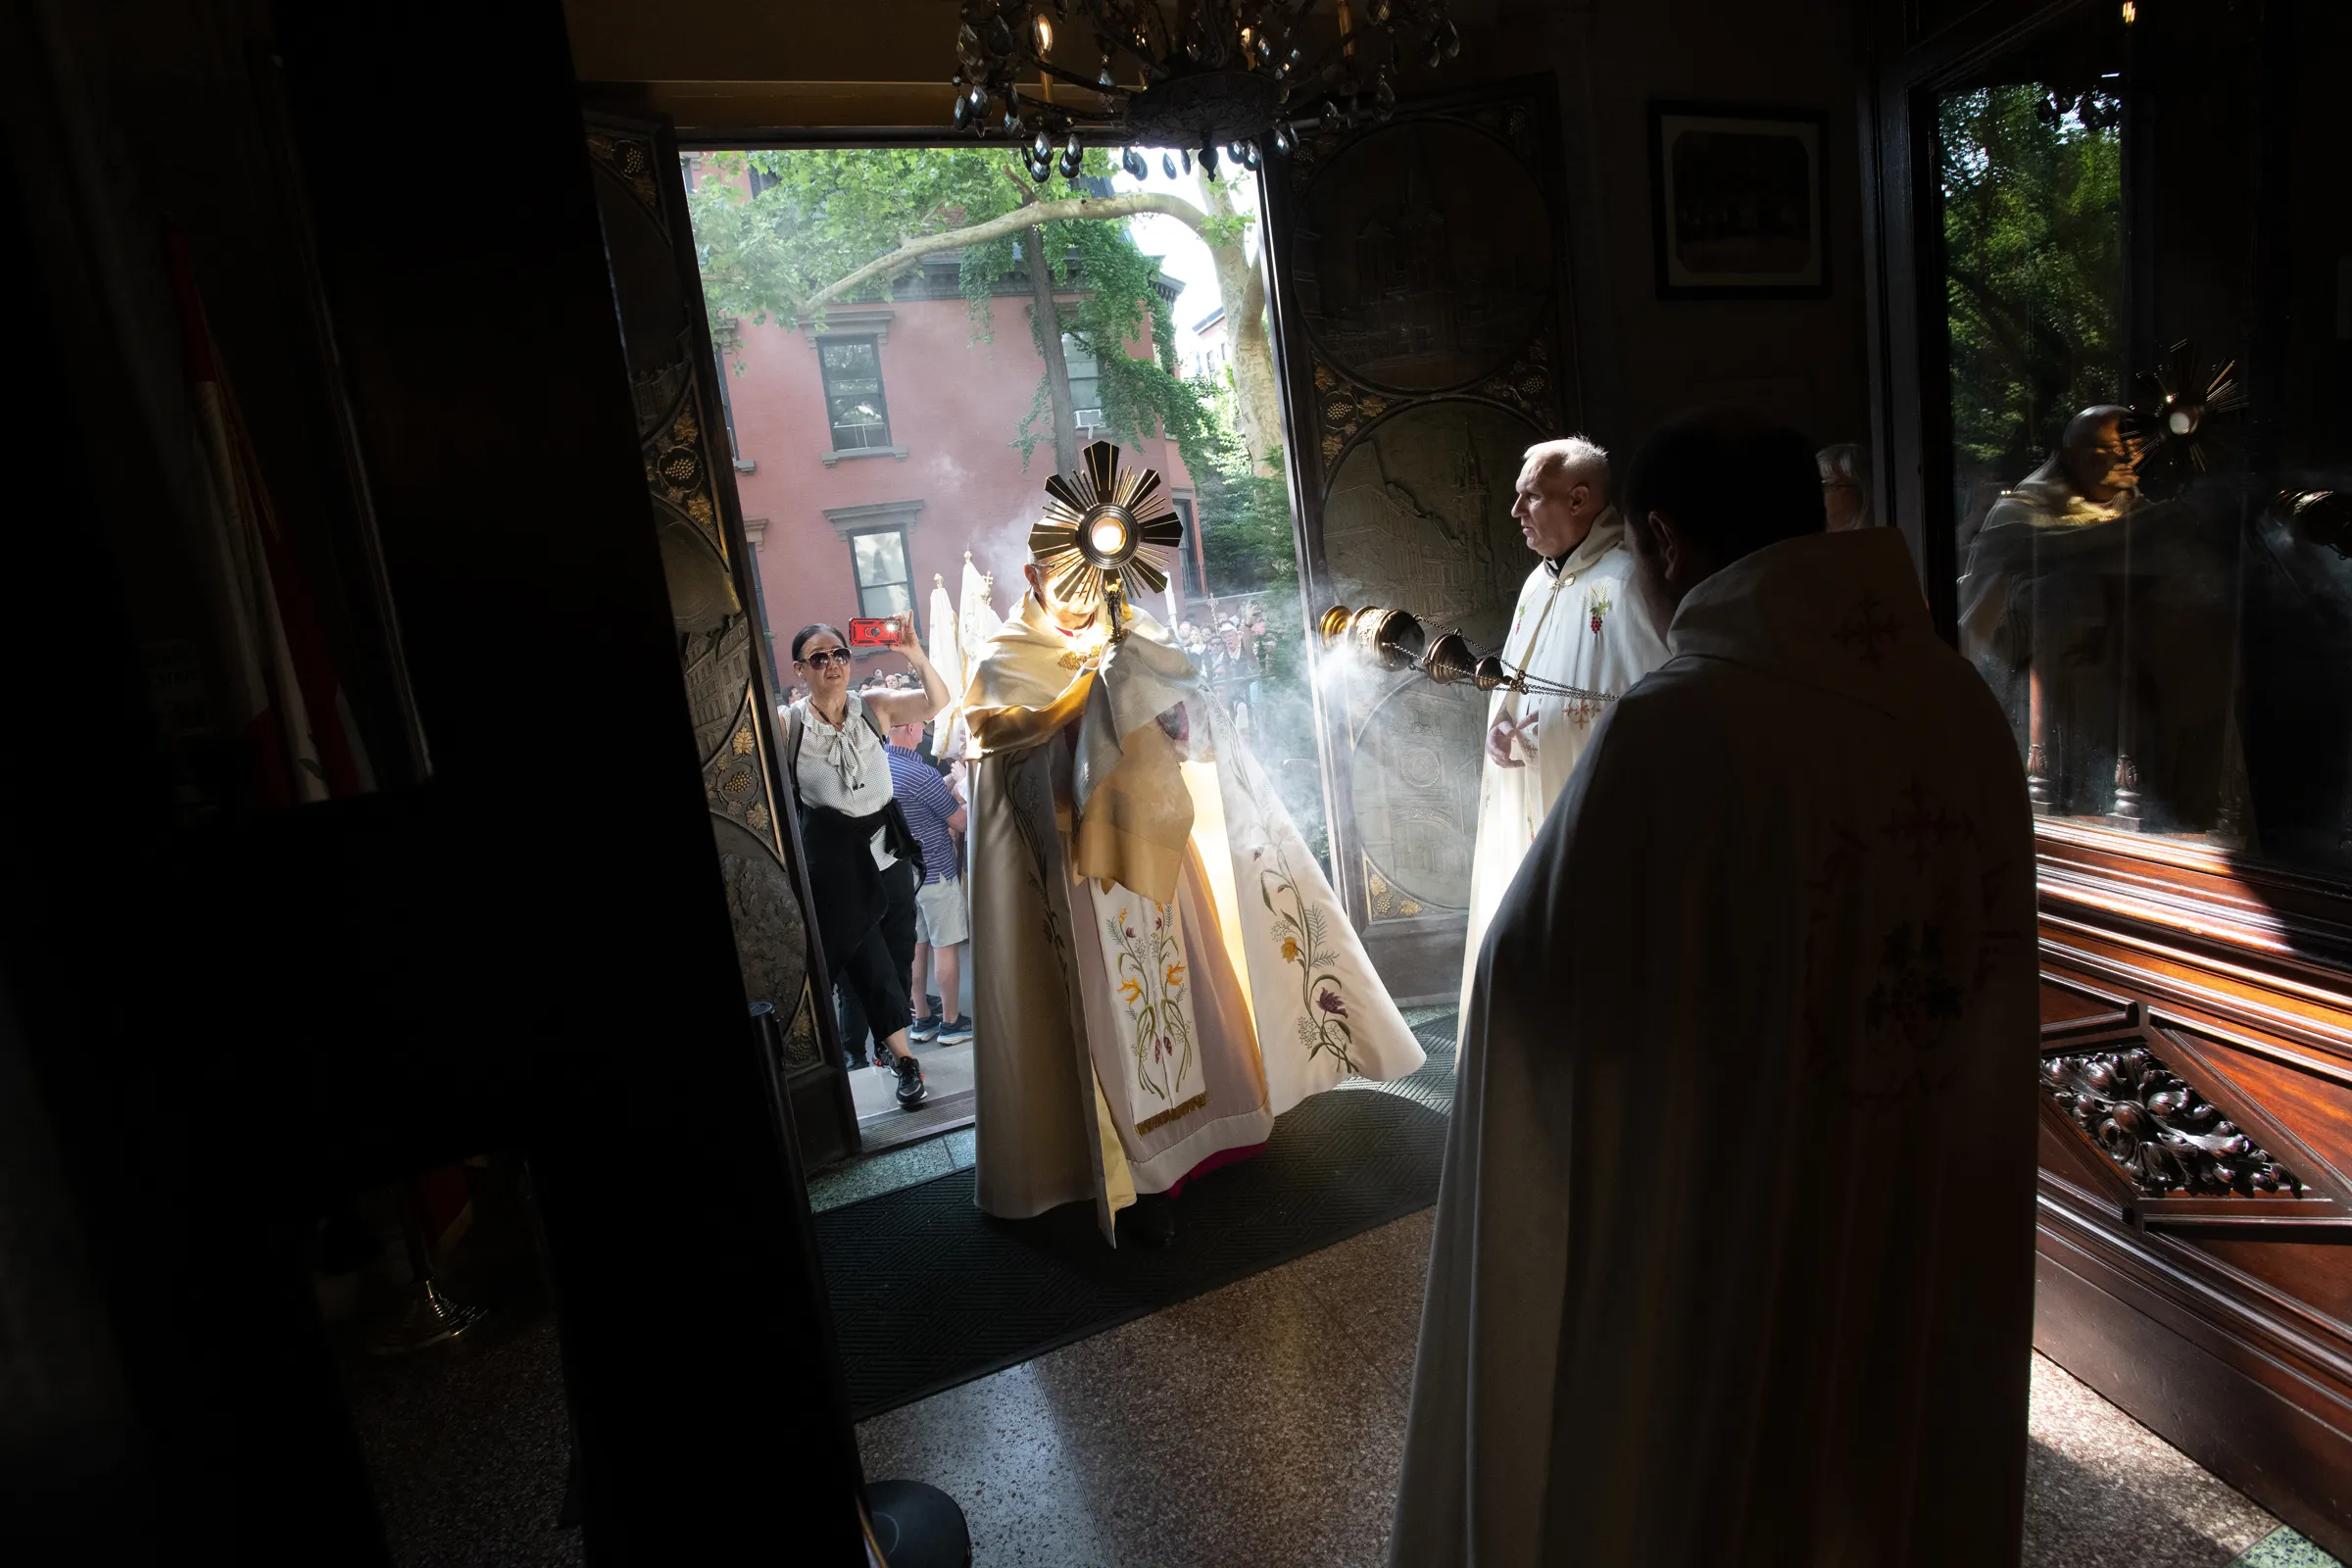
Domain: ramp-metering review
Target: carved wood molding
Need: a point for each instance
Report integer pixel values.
(2200, 895)
(2222, 1311)
(2312, 1027)
(2260, 951)
(2100, 1013)
(2169, 1139)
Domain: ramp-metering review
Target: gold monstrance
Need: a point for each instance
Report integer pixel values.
(1099, 524)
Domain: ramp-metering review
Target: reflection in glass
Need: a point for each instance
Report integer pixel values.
(2150, 418)
(853, 372)
(882, 576)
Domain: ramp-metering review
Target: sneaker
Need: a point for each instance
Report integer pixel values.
(912, 1090)
(924, 1028)
(882, 1056)
(956, 1032)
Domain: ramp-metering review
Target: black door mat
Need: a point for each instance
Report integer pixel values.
(929, 1293)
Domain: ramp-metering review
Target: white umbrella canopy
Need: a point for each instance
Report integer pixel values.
(947, 650)
(978, 620)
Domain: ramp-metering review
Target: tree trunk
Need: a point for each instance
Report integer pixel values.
(1242, 291)
(1049, 342)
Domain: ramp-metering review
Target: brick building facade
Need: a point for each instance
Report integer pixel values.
(873, 452)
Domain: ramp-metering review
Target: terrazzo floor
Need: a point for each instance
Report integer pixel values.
(1262, 1424)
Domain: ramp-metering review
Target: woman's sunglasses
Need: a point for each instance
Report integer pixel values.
(826, 656)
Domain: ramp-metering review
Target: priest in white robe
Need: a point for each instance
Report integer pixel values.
(1734, 1253)
(1159, 967)
(1575, 623)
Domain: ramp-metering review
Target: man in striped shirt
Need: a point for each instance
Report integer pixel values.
(942, 925)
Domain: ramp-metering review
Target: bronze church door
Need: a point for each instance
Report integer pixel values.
(1421, 285)
(716, 614)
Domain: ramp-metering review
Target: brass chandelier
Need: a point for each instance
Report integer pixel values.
(1209, 76)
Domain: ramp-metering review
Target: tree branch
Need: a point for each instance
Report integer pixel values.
(1083, 207)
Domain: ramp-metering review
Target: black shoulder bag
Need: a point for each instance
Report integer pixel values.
(898, 836)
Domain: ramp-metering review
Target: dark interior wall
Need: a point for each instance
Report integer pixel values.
(136, 118)
(120, 118)
(1644, 357)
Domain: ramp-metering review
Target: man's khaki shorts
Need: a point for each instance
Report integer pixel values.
(940, 919)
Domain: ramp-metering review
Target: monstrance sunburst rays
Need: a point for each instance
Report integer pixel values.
(1100, 526)
(2180, 420)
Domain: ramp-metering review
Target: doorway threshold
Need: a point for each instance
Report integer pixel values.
(896, 1129)
(880, 1171)
(881, 1122)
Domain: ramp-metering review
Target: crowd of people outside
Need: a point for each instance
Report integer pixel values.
(1232, 646)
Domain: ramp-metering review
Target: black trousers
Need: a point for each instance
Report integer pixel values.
(871, 984)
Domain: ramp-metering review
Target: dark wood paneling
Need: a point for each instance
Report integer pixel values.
(2267, 1410)
(2072, 1010)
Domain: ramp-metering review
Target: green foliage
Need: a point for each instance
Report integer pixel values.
(2032, 233)
(824, 212)
(1117, 306)
(1247, 538)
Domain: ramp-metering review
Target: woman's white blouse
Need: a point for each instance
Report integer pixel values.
(846, 769)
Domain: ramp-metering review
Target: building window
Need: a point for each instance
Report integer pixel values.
(1086, 382)
(885, 587)
(760, 179)
(853, 372)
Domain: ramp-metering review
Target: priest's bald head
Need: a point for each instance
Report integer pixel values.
(1709, 487)
(1563, 486)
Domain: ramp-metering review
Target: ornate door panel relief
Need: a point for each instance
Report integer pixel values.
(707, 563)
(1421, 288)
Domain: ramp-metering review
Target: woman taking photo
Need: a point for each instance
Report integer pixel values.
(862, 860)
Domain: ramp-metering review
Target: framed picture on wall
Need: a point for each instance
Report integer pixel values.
(1736, 201)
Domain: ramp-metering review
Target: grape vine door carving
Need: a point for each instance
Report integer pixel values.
(1422, 293)
(690, 481)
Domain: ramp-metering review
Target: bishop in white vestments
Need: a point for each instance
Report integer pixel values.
(1733, 1255)
(1576, 625)
(1159, 967)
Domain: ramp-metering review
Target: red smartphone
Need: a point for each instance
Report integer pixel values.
(873, 631)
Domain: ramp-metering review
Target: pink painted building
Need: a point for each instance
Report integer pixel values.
(872, 454)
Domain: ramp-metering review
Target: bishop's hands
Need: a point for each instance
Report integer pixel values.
(1504, 730)
(1176, 725)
